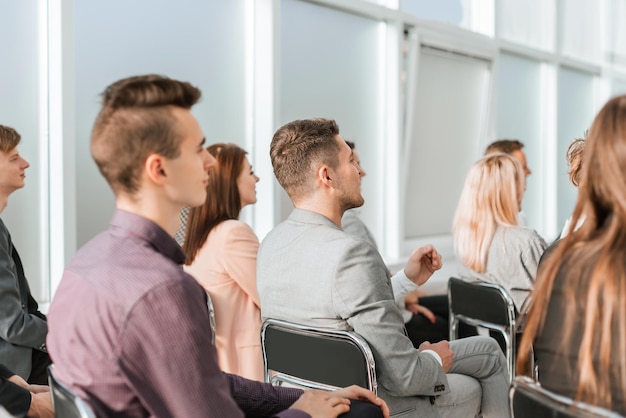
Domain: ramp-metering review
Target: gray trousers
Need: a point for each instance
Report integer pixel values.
(478, 380)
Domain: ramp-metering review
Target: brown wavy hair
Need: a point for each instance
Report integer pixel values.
(222, 200)
(595, 258)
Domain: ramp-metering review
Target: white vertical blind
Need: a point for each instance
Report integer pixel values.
(448, 121)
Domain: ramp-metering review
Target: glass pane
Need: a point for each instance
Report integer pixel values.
(198, 41)
(617, 32)
(581, 29)
(19, 107)
(618, 87)
(527, 22)
(333, 73)
(449, 114)
(447, 11)
(518, 116)
(575, 114)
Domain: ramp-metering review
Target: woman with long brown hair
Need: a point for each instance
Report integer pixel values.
(221, 254)
(577, 322)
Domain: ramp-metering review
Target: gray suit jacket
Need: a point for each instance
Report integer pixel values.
(22, 328)
(311, 272)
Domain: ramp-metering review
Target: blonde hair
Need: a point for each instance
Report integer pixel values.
(594, 258)
(490, 198)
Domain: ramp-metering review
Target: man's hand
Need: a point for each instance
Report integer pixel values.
(443, 349)
(411, 304)
(423, 262)
(325, 400)
(362, 394)
(38, 388)
(18, 380)
(40, 406)
(320, 404)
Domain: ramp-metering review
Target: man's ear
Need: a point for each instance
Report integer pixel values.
(325, 175)
(154, 168)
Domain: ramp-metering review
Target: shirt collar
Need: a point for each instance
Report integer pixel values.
(143, 228)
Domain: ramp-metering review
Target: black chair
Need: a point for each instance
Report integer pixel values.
(316, 358)
(65, 402)
(530, 400)
(484, 305)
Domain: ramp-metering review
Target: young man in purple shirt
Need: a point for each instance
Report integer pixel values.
(128, 328)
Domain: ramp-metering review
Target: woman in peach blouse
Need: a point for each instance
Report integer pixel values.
(221, 255)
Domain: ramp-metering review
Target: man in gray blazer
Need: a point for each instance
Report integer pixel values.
(311, 272)
(23, 328)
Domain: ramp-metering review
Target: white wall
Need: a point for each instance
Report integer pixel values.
(202, 42)
(20, 109)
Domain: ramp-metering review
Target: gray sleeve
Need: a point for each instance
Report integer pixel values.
(17, 326)
(532, 254)
(363, 297)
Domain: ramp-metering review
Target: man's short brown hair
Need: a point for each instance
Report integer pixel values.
(507, 146)
(9, 138)
(298, 147)
(136, 121)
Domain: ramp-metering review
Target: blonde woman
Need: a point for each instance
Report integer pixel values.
(488, 242)
(577, 321)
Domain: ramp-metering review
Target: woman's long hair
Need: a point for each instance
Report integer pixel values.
(222, 199)
(595, 258)
(491, 196)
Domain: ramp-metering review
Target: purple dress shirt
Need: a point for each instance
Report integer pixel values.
(129, 332)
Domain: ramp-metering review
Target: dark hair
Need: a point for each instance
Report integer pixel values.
(9, 138)
(222, 202)
(297, 146)
(507, 146)
(136, 121)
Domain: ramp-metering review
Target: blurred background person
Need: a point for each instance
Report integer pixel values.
(577, 321)
(221, 254)
(515, 148)
(574, 156)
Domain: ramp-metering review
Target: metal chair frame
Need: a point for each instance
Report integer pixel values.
(318, 342)
(73, 406)
(505, 325)
(529, 399)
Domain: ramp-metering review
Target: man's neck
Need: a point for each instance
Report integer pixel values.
(322, 206)
(4, 199)
(161, 214)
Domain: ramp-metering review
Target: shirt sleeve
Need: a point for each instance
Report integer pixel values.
(17, 326)
(240, 253)
(263, 399)
(167, 355)
(401, 286)
(15, 399)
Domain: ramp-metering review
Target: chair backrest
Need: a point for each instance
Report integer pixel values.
(484, 305)
(65, 402)
(482, 302)
(529, 399)
(316, 358)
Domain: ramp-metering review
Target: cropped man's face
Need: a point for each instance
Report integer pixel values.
(521, 157)
(188, 173)
(348, 181)
(12, 171)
